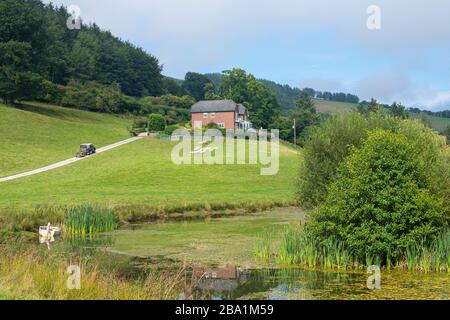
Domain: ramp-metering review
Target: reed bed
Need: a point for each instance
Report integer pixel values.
(88, 220)
(299, 248)
(265, 245)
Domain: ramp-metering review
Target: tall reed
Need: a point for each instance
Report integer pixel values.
(298, 247)
(87, 220)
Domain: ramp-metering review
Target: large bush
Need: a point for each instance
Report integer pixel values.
(156, 122)
(93, 96)
(184, 102)
(328, 145)
(383, 198)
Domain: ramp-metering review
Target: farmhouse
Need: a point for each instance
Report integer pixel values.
(227, 114)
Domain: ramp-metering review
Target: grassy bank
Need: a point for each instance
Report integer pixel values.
(37, 134)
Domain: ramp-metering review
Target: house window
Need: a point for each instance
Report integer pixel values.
(205, 115)
(213, 115)
(221, 125)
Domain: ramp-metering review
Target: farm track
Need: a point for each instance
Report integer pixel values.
(68, 161)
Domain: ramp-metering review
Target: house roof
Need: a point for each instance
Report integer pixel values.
(242, 109)
(215, 106)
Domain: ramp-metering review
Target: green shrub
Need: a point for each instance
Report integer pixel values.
(156, 122)
(93, 96)
(170, 129)
(52, 92)
(184, 102)
(382, 201)
(328, 145)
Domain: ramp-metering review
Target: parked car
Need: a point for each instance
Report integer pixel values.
(86, 150)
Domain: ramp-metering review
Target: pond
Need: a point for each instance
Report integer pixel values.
(221, 264)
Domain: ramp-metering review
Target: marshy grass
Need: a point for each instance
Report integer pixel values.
(18, 220)
(265, 245)
(27, 273)
(299, 248)
(88, 220)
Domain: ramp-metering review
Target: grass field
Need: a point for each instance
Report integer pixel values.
(334, 107)
(437, 123)
(37, 135)
(143, 173)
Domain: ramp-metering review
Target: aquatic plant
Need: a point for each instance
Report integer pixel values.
(300, 248)
(264, 246)
(87, 220)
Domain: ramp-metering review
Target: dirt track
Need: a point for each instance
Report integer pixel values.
(68, 161)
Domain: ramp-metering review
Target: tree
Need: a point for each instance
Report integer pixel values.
(194, 84)
(305, 113)
(16, 81)
(398, 110)
(210, 92)
(170, 86)
(372, 107)
(243, 88)
(311, 92)
(381, 201)
(424, 119)
(284, 125)
(156, 122)
(59, 55)
(328, 145)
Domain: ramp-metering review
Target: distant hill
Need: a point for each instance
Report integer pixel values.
(286, 96)
(334, 107)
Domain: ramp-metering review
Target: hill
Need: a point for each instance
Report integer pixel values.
(334, 107)
(139, 173)
(35, 135)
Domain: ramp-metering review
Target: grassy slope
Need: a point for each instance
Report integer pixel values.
(333, 107)
(37, 135)
(143, 173)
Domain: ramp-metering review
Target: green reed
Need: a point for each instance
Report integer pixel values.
(264, 247)
(299, 248)
(87, 220)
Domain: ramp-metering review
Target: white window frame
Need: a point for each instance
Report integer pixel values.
(205, 115)
(221, 125)
(213, 114)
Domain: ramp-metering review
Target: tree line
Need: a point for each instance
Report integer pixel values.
(37, 50)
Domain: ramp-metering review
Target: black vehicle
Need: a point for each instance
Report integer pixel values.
(86, 150)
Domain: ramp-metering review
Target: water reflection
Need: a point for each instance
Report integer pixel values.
(231, 283)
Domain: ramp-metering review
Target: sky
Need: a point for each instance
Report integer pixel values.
(323, 44)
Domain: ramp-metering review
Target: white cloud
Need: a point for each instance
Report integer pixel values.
(204, 35)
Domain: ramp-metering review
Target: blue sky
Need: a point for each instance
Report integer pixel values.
(324, 44)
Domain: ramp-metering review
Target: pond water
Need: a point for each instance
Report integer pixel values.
(220, 260)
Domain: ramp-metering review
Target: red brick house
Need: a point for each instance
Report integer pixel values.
(227, 114)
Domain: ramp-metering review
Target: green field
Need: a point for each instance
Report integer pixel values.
(139, 173)
(334, 107)
(37, 135)
(143, 173)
